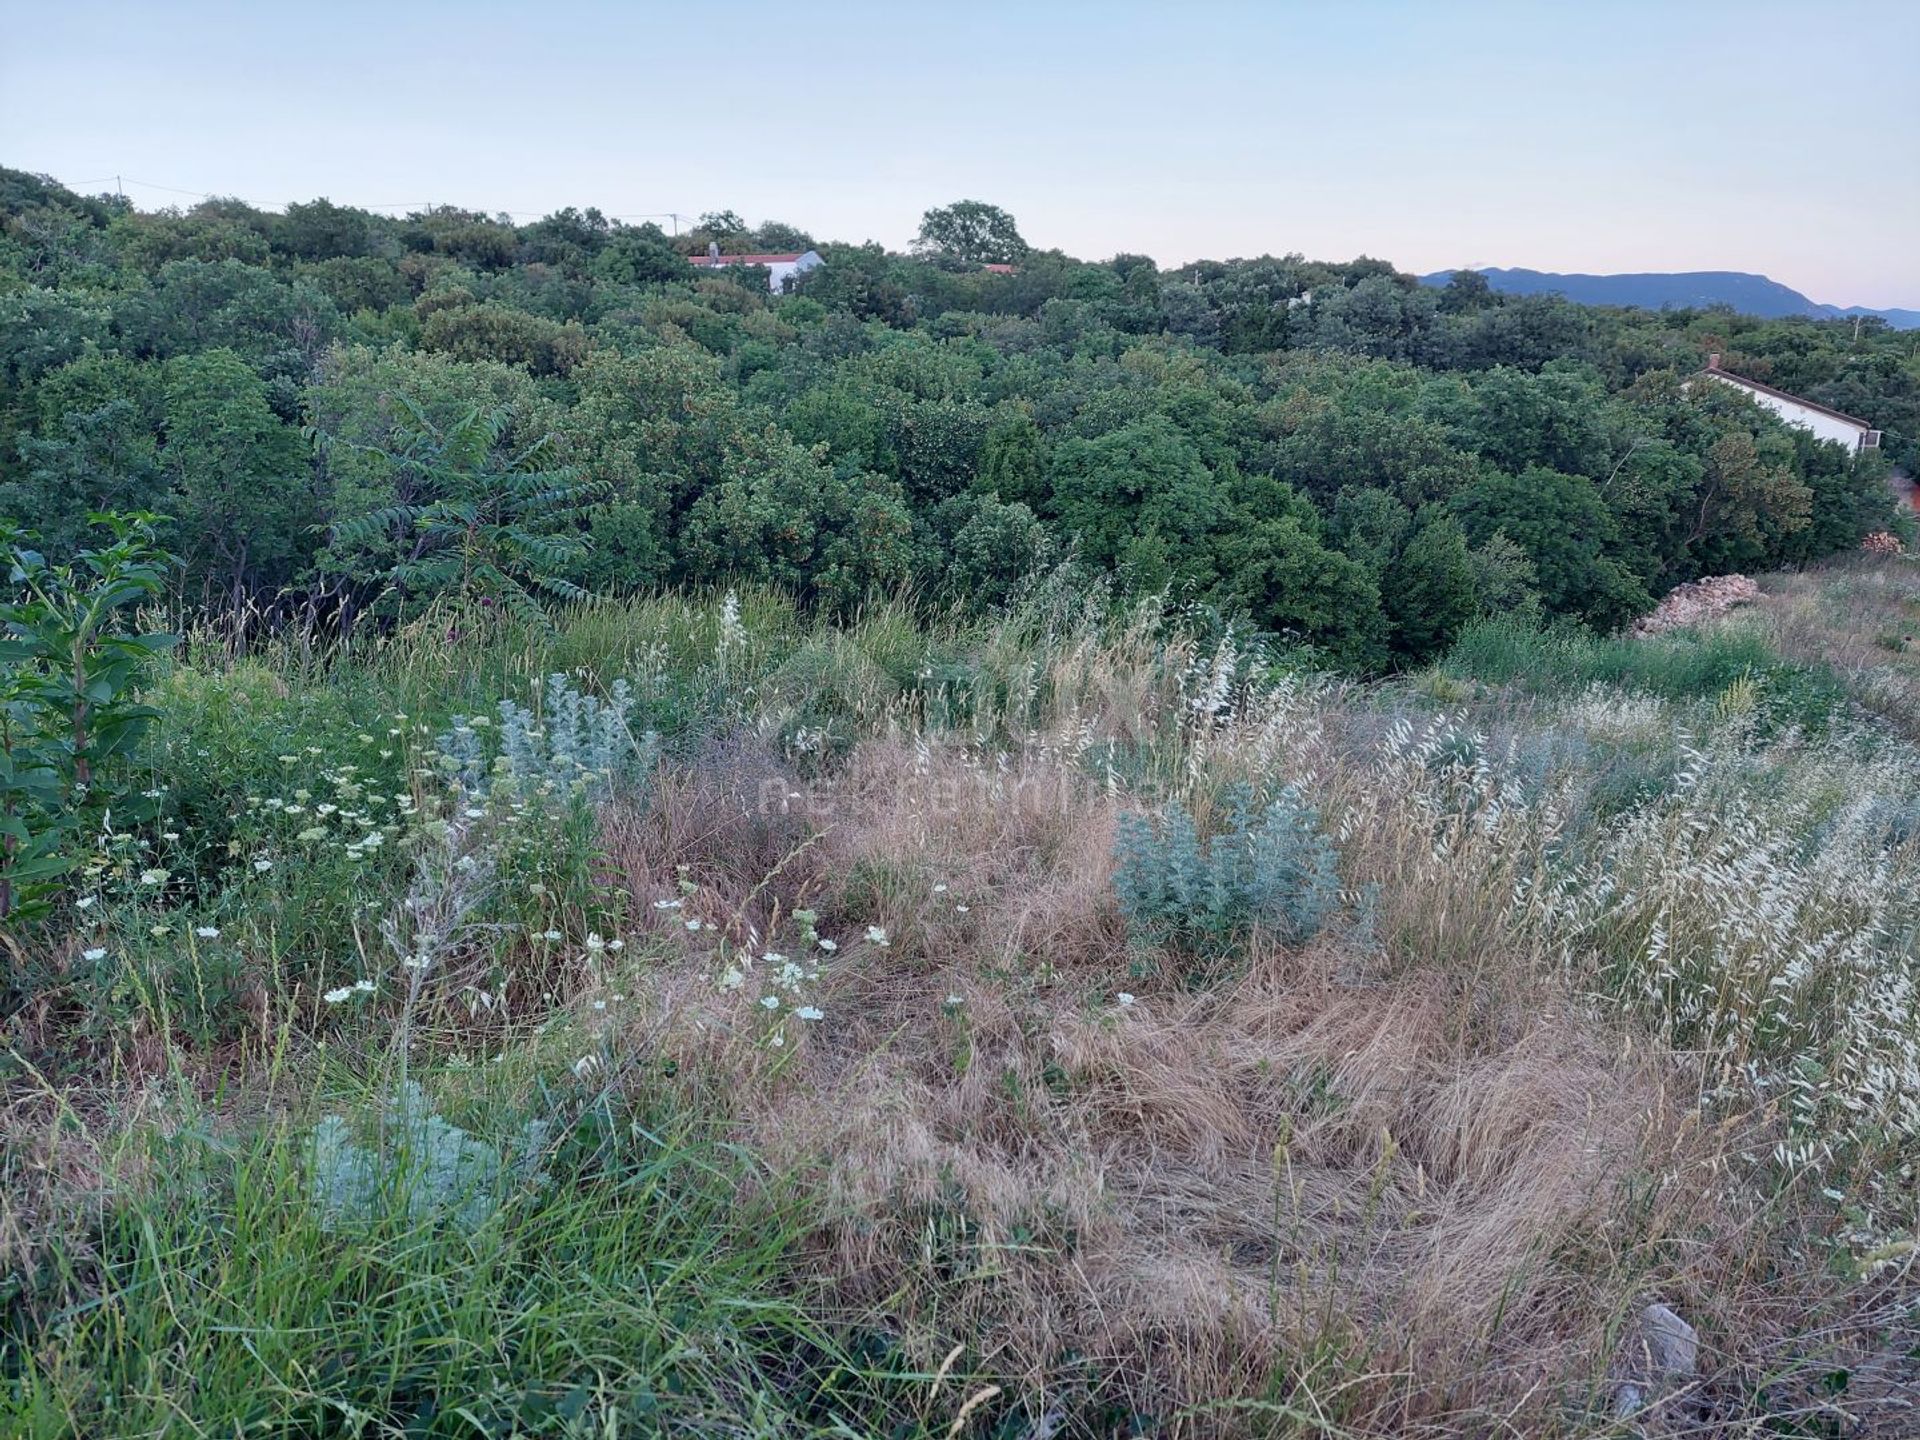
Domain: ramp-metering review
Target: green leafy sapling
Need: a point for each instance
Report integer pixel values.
(72, 656)
(485, 529)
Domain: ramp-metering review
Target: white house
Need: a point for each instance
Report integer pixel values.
(1855, 434)
(780, 268)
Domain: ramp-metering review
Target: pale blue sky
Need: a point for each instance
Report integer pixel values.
(1585, 135)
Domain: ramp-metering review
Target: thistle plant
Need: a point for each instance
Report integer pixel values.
(416, 1167)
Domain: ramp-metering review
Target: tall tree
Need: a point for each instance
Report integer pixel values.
(241, 477)
(970, 230)
(1429, 588)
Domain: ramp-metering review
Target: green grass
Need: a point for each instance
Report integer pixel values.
(648, 1283)
(1683, 665)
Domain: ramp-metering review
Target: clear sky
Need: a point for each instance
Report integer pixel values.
(1598, 135)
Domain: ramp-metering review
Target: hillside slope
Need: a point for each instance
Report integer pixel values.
(1064, 1024)
(1691, 289)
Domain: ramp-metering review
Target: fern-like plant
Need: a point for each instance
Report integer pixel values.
(490, 529)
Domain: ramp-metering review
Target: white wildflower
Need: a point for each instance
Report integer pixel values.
(733, 632)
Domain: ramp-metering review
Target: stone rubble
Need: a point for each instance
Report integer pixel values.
(1697, 601)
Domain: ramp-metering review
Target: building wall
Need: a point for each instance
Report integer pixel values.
(1824, 426)
(777, 281)
(781, 271)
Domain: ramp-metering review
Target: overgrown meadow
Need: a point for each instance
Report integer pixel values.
(698, 1018)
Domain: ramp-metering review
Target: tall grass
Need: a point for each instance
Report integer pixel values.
(646, 1285)
(1679, 665)
(866, 1098)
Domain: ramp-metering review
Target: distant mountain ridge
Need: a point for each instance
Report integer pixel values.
(1749, 294)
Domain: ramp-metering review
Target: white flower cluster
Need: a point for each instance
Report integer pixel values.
(783, 985)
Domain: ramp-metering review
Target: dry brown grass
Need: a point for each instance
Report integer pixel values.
(1408, 1180)
(1389, 1190)
(1861, 619)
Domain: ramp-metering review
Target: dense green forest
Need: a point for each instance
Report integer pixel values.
(343, 414)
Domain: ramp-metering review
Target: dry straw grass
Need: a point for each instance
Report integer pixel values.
(1418, 1182)
(1622, 995)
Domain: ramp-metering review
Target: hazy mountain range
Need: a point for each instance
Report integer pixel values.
(1749, 294)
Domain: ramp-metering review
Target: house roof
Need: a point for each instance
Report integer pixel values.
(1714, 370)
(746, 259)
(1001, 269)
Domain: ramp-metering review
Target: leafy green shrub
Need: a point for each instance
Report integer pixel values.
(1270, 868)
(70, 666)
(234, 738)
(491, 531)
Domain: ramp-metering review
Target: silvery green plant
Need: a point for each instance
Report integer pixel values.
(576, 745)
(418, 1167)
(1270, 867)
